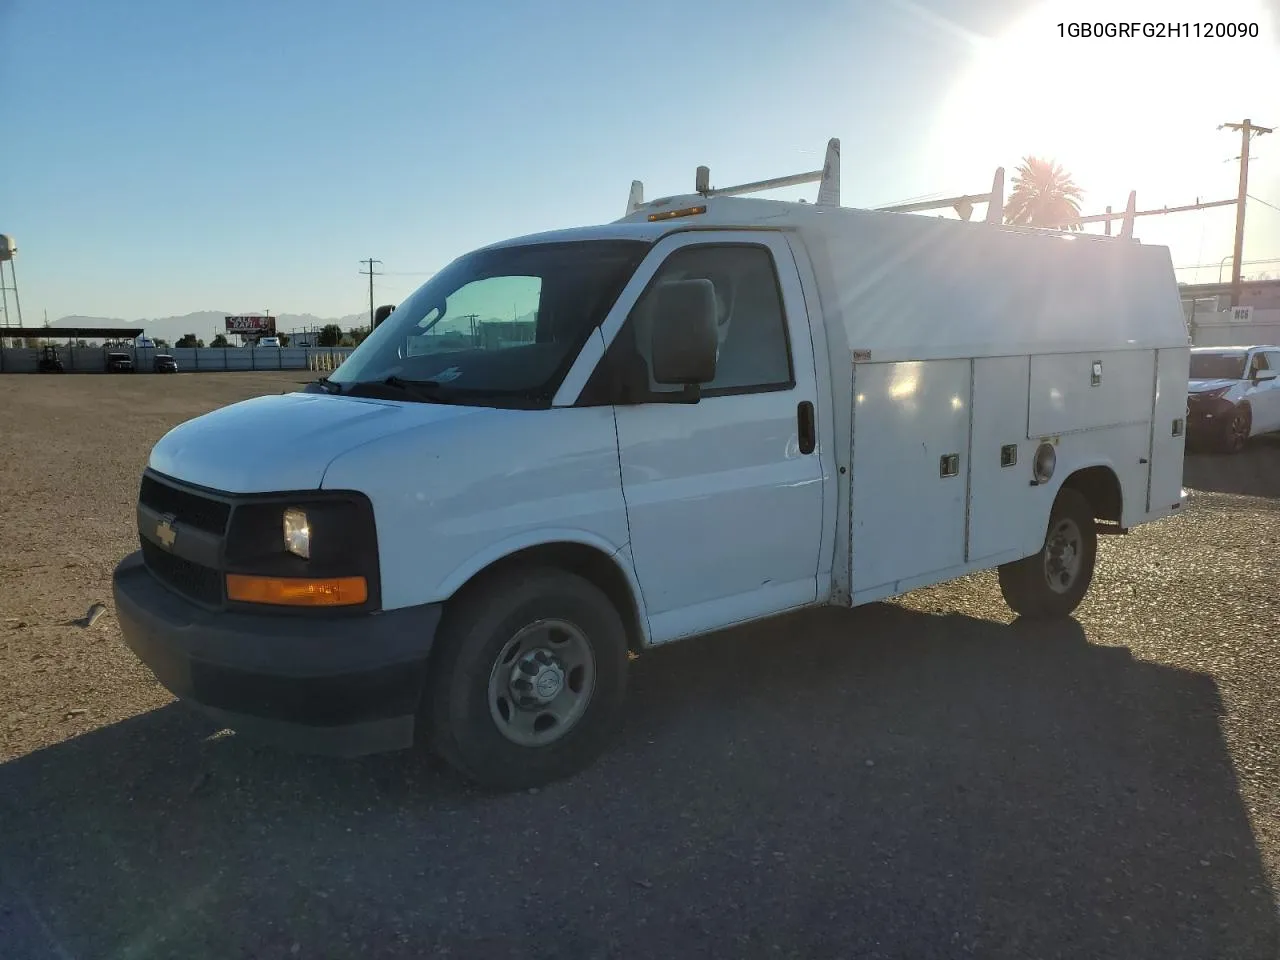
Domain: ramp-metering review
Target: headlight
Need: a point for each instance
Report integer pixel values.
(297, 533)
(311, 549)
(1046, 460)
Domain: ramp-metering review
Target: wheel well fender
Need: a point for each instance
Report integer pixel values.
(1101, 487)
(610, 571)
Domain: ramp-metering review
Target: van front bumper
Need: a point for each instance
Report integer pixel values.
(344, 686)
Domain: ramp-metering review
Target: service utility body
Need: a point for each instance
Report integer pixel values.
(568, 448)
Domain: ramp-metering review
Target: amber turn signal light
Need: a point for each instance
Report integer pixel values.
(297, 591)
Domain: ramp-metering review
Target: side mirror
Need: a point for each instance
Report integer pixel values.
(382, 313)
(1265, 375)
(685, 343)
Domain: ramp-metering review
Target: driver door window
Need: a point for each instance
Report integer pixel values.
(754, 353)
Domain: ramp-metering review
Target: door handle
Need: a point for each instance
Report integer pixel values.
(808, 436)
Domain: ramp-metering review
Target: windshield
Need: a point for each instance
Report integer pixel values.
(1217, 366)
(497, 326)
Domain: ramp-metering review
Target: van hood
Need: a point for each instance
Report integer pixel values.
(1203, 386)
(285, 442)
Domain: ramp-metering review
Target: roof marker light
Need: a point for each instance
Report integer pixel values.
(672, 214)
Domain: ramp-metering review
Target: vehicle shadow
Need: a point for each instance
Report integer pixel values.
(870, 783)
(1253, 472)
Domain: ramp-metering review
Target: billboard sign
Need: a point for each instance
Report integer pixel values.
(251, 325)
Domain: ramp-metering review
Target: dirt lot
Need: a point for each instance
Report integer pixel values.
(916, 779)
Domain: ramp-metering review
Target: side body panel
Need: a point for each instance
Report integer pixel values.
(912, 527)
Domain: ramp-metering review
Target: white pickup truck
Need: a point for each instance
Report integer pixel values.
(714, 410)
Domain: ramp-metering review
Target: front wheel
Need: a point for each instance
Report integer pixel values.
(528, 682)
(1052, 583)
(1236, 429)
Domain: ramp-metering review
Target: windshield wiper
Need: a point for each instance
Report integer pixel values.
(424, 390)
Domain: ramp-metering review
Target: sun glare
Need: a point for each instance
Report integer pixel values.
(1119, 114)
(1124, 113)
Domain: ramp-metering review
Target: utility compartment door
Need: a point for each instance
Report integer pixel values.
(1167, 446)
(1001, 500)
(910, 471)
(1071, 392)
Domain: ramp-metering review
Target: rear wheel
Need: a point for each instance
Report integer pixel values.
(1235, 430)
(1052, 583)
(529, 678)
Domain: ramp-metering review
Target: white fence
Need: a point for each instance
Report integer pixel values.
(190, 359)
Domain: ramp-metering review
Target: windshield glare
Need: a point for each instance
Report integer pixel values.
(1217, 366)
(505, 322)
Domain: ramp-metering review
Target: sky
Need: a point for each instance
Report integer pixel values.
(166, 157)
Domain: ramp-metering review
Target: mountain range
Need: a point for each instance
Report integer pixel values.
(206, 323)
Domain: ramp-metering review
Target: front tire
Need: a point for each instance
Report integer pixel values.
(529, 679)
(1050, 584)
(1235, 431)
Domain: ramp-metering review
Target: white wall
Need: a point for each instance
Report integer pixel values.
(1216, 330)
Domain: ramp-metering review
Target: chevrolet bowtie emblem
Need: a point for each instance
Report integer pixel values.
(165, 532)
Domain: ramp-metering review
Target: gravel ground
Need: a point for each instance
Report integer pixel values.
(923, 778)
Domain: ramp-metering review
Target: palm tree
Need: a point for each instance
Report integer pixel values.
(1043, 195)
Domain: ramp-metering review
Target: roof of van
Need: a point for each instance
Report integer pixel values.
(902, 286)
(604, 231)
(693, 211)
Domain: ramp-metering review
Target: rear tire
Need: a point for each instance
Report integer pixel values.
(1235, 431)
(1051, 584)
(528, 680)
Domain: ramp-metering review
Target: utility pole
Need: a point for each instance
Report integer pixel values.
(370, 262)
(1247, 131)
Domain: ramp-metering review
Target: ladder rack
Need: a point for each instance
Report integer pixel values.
(829, 193)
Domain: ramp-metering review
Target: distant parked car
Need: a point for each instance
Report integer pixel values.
(165, 363)
(119, 363)
(50, 362)
(1233, 394)
(269, 342)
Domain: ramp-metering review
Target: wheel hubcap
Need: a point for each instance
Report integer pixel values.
(1062, 555)
(1239, 429)
(541, 683)
(536, 679)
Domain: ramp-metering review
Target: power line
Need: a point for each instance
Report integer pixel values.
(371, 274)
(1210, 266)
(1264, 203)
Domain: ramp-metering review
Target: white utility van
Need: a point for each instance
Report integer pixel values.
(565, 449)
